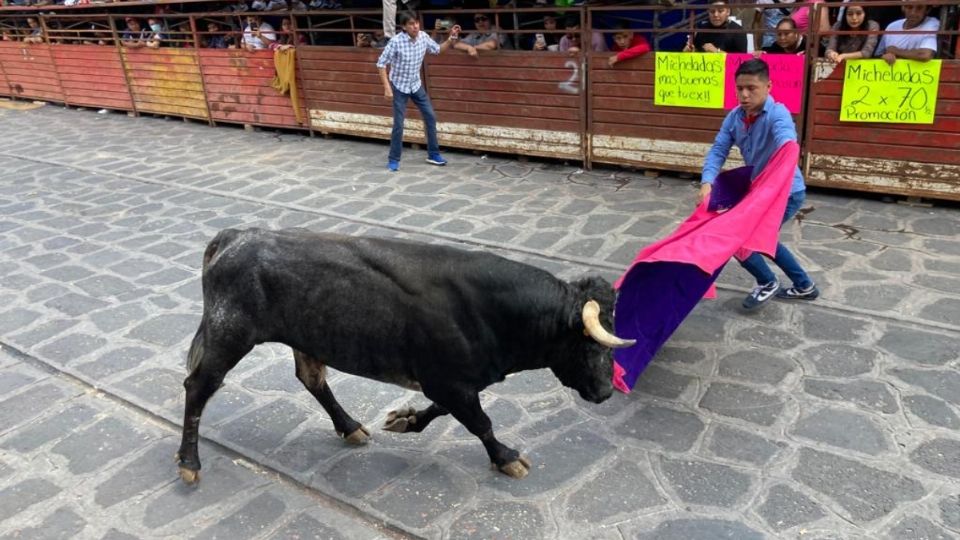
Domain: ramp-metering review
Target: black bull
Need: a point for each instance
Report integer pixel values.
(440, 320)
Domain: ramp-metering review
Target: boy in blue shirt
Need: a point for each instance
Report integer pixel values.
(759, 127)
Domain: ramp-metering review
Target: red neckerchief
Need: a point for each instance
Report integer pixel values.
(749, 120)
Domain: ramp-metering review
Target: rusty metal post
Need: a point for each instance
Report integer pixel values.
(123, 63)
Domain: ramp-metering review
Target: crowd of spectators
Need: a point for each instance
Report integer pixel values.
(776, 26)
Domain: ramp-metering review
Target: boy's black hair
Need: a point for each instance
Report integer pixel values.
(406, 16)
(756, 67)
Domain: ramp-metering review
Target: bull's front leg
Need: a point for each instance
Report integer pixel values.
(464, 405)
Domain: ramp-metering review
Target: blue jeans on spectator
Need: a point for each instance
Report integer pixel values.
(422, 101)
(783, 258)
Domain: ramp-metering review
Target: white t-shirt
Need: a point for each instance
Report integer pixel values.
(919, 40)
(250, 38)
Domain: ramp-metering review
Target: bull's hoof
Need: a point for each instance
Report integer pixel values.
(189, 476)
(360, 436)
(400, 420)
(516, 469)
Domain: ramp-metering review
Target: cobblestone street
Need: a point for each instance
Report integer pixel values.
(836, 419)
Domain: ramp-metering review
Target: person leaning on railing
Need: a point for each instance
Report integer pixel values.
(257, 34)
(35, 32)
(789, 39)
(852, 47)
(919, 45)
(718, 18)
(627, 45)
(134, 37)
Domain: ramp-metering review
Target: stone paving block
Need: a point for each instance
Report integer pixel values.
(421, 500)
(601, 498)
(731, 443)
(264, 429)
(58, 424)
(786, 507)
(46, 291)
(932, 411)
(277, 377)
(768, 337)
(166, 277)
(363, 472)
(866, 493)
(700, 329)
(737, 401)
(944, 310)
(74, 305)
(867, 394)
(104, 257)
(249, 521)
(688, 529)
(47, 260)
(840, 360)
(670, 429)
(24, 494)
(660, 382)
(943, 383)
(67, 273)
(304, 526)
(66, 349)
(105, 286)
(15, 319)
(554, 462)
(703, 483)
(115, 318)
(554, 421)
(679, 355)
(756, 366)
(882, 297)
(156, 386)
(62, 524)
(30, 403)
(843, 429)
(918, 528)
(940, 456)
(166, 330)
(311, 448)
(950, 511)
(93, 447)
(500, 520)
(920, 346)
(823, 326)
(219, 482)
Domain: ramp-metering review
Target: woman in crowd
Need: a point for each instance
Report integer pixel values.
(851, 47)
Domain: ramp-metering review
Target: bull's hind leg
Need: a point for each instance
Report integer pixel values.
(313, 374)
(209, 360)
(411, 420)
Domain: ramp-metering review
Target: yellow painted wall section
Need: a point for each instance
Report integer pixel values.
(166, 81)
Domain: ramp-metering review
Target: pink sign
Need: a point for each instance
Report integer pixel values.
(786, 74)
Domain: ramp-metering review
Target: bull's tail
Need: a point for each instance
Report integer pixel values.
(195, 355)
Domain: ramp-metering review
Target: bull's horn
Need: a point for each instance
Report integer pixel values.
(591, 323)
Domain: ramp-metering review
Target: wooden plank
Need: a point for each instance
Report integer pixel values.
(944, 133)
(860, 149)
(654, 132)
(518, 113)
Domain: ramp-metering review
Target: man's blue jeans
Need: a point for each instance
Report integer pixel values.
(757, 266)
(422, 101)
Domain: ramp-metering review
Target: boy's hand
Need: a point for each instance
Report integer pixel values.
(388, 92)
(704, 194)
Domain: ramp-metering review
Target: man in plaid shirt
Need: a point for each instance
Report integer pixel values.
(404, 54)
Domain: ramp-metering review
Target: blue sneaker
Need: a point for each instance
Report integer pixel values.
(436, 159)
(393, 165)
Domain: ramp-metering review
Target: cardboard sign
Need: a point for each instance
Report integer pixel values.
(786, 74)
(689, 80)
(904, 93)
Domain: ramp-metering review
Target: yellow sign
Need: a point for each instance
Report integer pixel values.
(690, 79)
(904, 93)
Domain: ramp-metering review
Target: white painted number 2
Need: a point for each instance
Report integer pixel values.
(571, 85)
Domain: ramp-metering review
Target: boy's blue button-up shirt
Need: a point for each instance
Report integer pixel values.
(757, 142)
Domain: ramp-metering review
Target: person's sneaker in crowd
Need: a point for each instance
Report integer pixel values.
(796, 293)
(436, 159)
(760, 295)
(393, 165)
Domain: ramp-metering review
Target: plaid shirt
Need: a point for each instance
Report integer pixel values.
(405, 56)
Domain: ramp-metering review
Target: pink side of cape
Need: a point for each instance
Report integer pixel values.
(708, 239)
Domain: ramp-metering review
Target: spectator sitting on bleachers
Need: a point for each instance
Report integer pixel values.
(34, 31)
(570, 42)
(628, 45)
(486, 37)
(769, 19)
(216, 40)
(841, 48)
(286, 36)
(134, 37)
(718, 18)
(921, 45)
(257, 34)
(551, 41)
(789, 40)
(158, 33)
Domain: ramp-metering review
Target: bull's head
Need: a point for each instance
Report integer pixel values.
(588, 365)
